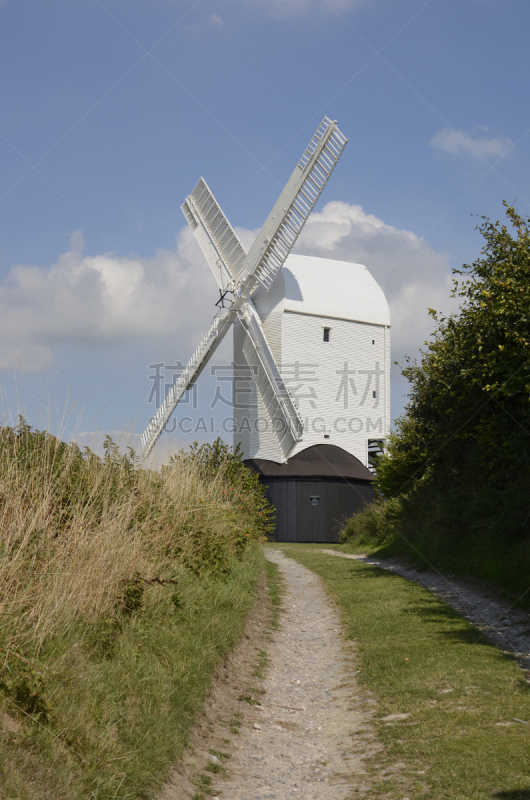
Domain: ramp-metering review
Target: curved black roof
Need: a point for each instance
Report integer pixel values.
(317, 461)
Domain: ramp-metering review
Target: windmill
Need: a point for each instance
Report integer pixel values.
(240, 274)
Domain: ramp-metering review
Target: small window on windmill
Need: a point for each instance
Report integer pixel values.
(373, 341)
(327, 332)
(315, 500)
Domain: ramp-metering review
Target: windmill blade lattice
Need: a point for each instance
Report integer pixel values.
(217, 239)
(286, 220)
(216, 333)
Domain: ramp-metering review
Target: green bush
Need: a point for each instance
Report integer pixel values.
(374, 525)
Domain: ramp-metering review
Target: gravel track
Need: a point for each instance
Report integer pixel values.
(506, 627)
(309, 736)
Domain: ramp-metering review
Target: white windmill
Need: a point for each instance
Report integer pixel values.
(295, 315)
(240, 274)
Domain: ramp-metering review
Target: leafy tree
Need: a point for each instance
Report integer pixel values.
(466, 429)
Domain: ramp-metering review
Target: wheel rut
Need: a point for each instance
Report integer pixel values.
(504, 625)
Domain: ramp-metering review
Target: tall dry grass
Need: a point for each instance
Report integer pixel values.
(74, 527)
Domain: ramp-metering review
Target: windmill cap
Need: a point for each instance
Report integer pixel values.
(330, 288)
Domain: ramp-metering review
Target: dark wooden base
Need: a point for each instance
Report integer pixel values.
(314, 510)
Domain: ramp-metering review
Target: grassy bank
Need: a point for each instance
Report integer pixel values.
(461, 704)
(122, 590)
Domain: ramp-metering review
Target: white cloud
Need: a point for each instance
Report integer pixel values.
(413, 276)
(475, 142)
(104, 300)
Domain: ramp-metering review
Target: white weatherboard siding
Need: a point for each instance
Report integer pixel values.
(332, 383)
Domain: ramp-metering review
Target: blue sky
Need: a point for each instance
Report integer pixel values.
(112, 109)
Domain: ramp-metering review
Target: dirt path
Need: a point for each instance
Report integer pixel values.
(504, 626)
(311, 733)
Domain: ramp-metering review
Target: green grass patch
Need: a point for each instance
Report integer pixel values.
(235, 722)
(220, 754)
(261, 664)
(203, 784)
(247, 698)
(216, 768)
(467, 725)
(429, 528)
(276, 587)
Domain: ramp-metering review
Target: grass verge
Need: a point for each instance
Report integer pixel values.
(121, 590)
(453, 712)
(119, 720)
(276, 587)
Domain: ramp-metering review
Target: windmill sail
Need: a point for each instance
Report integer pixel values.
(217, 239)
(281, 411)
(241, 272)
(216, 333)
(282, 228)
